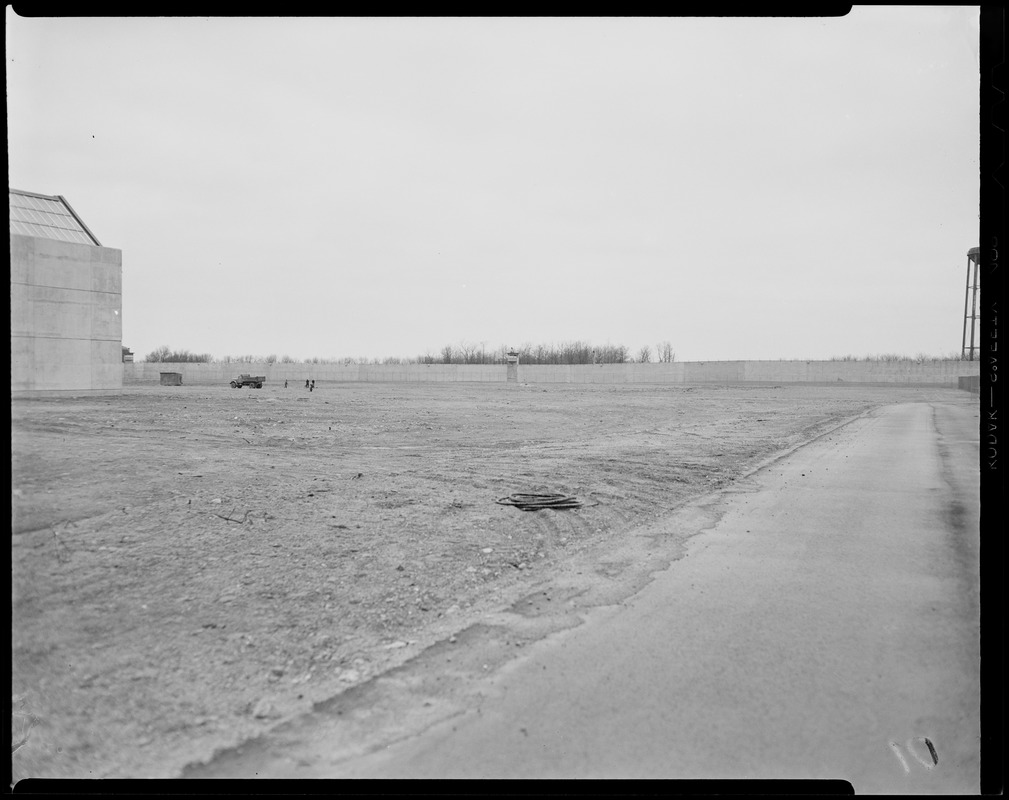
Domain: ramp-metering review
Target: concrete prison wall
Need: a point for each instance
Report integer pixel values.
(970, 383)
(929, 373)
(66, 317)
(222, 374)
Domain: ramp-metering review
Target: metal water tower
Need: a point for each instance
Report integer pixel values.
(970, 302)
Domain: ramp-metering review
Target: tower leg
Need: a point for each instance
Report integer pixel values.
(966, 299)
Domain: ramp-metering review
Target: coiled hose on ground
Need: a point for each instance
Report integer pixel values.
(535, 502)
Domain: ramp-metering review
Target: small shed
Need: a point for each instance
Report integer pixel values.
(171, 378)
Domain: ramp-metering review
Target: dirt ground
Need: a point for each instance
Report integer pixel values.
(192, 566)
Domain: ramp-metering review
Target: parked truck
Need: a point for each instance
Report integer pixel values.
(255, 381)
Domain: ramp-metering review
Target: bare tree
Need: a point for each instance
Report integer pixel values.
(166, 354)
(612, 354)
(159, 354)
(664, 353)
(468, 352)
(644, 355)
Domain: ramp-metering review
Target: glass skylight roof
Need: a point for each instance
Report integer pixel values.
(47, 218)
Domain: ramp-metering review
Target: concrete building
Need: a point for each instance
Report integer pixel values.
(66, 301)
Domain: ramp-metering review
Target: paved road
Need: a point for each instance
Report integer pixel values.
(825, 626)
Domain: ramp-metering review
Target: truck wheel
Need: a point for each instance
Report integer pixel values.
(259, 386)
(234, 385)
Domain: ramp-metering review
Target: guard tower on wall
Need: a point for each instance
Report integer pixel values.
(513, 366)
(970, 303)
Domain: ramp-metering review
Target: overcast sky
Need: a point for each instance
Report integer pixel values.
(745, 189)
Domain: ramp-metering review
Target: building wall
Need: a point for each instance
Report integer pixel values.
(66, 317)
(930, 373)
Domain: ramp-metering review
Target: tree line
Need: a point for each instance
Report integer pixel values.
(167, 354)
(574, 352)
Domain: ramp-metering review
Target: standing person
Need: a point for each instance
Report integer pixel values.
(285, 384)
(313, 385)
(306, 383)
